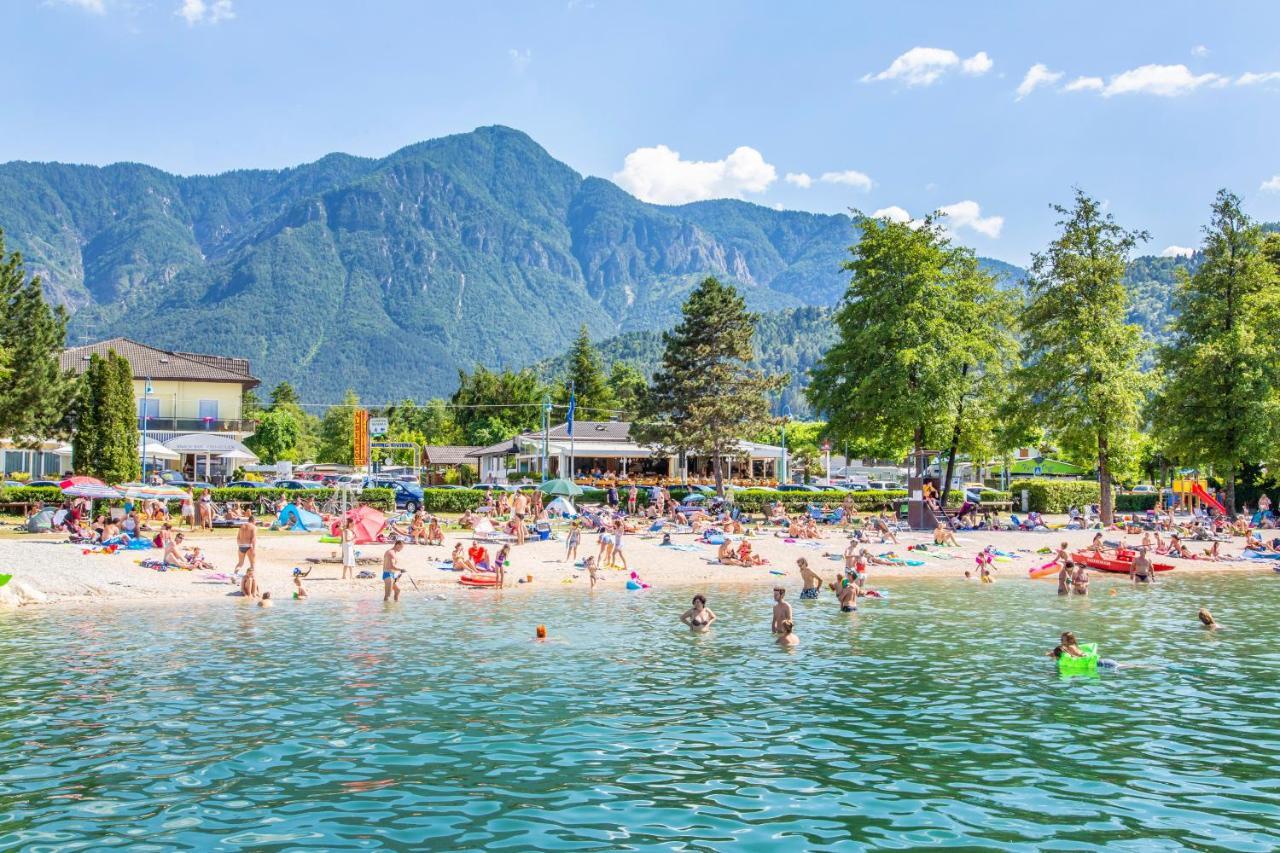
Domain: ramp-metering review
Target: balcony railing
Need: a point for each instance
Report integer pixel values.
(156, 424)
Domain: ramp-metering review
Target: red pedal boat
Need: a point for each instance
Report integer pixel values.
(1120, 564)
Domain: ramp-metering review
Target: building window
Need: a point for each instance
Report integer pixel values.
(208, 412)
(15, 461)
(149, 408)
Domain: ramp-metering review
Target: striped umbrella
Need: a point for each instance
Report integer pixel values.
(89, 490)
(80, 481)
(141, 491)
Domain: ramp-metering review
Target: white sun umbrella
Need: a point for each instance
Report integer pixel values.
(238, 456)
(153, 449)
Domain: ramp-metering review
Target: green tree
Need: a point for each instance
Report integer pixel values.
(433, 421)
(593, 396)
(276, 436)
(1220, 405)
(706, 395)
(921, 335)
(1080, 375)
(284, 394)
(629, 387)
(105, 443)
(337, 431)
(35, 393)
(492, 406)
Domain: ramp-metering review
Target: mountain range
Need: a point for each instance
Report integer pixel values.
(389, 275)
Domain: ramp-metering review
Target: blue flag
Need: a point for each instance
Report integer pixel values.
(573, 405)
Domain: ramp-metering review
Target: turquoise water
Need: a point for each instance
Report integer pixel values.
(927, 719)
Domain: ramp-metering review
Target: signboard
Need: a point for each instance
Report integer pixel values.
(378, 426)
(393, 445)
(360, 438)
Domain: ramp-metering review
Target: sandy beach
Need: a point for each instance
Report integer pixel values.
(47, 570)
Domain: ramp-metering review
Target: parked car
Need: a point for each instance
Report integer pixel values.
(408, 495)
(1144, 489)
(796, 487)
(248, 484)
(42, 483)
(885, 485)
(296, 484)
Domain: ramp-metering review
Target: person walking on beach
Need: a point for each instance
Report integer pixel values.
(247, 544)
(617, 546)
(189, 508)
(632, 495)
(781, 610)
(348, 537)
(519, 509)
(391, 571)
(812, 582)
(572, 540)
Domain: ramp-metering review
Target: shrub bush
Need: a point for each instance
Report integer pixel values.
(380, 499)
(1054, 495)
(1136, 502)
(30, 494)
(993, 496)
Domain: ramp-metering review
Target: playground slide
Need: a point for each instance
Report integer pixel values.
(293, 518)
(1200, 492)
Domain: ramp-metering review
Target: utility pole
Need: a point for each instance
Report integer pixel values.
(546, 430)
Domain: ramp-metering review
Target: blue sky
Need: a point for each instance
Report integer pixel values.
(901, 107)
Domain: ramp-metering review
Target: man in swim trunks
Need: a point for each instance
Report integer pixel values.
(812, 583)
(520, 508)
(781, 610)
(847, 595)
(1141, 570)
(247, 544)
(391, 572)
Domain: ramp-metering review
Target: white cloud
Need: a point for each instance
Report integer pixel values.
(97, 7)
(977, 64)
(1085, 84)
(1271, 185)
(1037, 75)
(893, 213)
(659, 175)
(922, 66)
(1250, 78)
(1166, 81)
(205, 11)
(1177, 252)
(850, 178)
(1199, 51)
(799, 179)
(968, 214)
(520, 59)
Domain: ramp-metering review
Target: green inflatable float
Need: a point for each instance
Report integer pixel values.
(1088, 663)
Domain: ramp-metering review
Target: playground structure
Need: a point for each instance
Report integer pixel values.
(1189, 494)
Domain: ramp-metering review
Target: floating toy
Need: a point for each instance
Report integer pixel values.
(1049, 569)
(636, 583)
(330, 540)
(775, 572)
(4, 579)
(1088, 663)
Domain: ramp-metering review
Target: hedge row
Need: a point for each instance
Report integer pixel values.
(1047, 495)
(757, 500)
(1136, 502)
(993, 496)
(30, 494)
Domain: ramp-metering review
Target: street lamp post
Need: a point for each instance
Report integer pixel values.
(146, 409)
(786, 416)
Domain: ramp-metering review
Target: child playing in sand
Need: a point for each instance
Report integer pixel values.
(590, 563)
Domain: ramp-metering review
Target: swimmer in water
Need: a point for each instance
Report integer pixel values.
(698, 617)
(847, 596)
(1067, 645)
(787, 636)
(1206, 619)
(540, 633)
(266, 601)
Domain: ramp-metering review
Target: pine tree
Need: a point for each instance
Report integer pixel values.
(1080, 375)
(105, 443)
(594, 399)
(706, 395)
(35, 393)
(1221, 403)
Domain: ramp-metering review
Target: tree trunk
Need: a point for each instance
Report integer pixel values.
(1230, 495)
(718, 467)
(1104, 481)
(955, 443)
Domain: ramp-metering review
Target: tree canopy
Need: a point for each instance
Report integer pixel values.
(105, 443)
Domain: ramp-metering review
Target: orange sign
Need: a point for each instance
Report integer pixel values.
(360, 436)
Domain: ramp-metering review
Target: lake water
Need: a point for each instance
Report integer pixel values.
(927, 719)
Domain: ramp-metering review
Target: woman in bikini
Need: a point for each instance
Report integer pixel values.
(698, 617)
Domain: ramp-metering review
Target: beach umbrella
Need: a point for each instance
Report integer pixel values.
(93, 492)
(152, 450)
(80, 481)
(561, 505)
(368, 523)
(143, 492)
(238, 456)
(568, 488)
